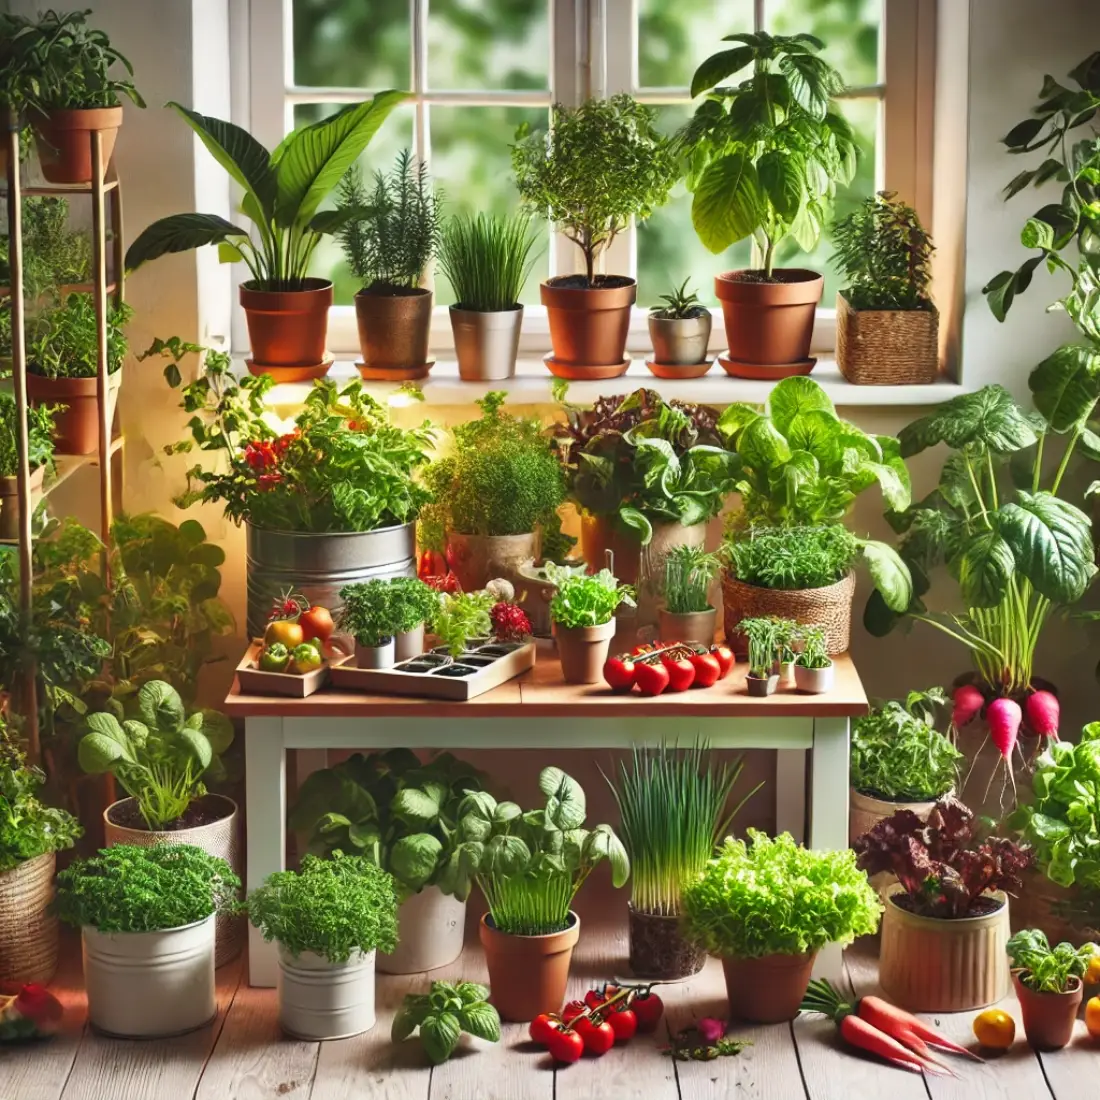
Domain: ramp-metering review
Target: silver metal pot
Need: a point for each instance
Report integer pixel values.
(486, 344)
(319, 565)
(680, 340)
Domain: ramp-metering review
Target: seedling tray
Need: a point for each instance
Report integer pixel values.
(257, 681)
(436, 675)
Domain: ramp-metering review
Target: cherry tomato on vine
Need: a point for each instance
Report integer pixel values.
(681, 673)
(624, 1023)
(648, 1008)
(618, 672)
(316, 622)
(651, 679)
(565, 1046)
(724, 655)
(707, 669)
(572, 1010)
(543, 1027)
(598, 1037)
(595, 997)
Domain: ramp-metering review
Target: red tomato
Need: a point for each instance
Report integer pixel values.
(565, 1046)
(681, 673)
(707, 669)
(619, 673)
(648, 1008)
(288, 633)
(624, 1023)
(572, 1010)
(594, 998)
(598, 1038)
(651, 679)
(316, 622)
(724, 656)
(542, 1028)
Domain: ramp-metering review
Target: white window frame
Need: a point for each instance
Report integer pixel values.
(593, 53)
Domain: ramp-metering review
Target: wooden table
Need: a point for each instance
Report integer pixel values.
(538, 710)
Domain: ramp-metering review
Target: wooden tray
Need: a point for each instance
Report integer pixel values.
(429, 684)
(255, 681)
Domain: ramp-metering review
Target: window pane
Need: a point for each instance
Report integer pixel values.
(352, 43)
(484, 44)
(676, 36)
(669, 250)
(849, 29)
(395, 134)
(472, 163)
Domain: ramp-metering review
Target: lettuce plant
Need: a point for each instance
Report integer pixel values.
(942, 864)
(586, 600)
(774, 897)
(443, 1014)
(1048, 969)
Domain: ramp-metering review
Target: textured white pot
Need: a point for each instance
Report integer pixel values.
(430, 930)
(815, 681)
(323, 1000)
(408, 644)
(374, 656)
(149, 985)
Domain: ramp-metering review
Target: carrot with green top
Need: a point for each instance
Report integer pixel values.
(906, 1028)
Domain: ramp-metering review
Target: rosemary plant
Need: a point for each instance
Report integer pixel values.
(689, 571)
(672, 808)
(487, 260)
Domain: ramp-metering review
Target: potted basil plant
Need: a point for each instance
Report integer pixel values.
(582, 611)
(368, 615)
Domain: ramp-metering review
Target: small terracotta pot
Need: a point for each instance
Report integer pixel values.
(393, 328)
(769, 323)
(1048, 1017)
(767, 990)
(478, 559)
(287, 328)
(64, 141)
(9, 501)
(761, 686)
(583, 651)
(658, 949)
(690, 626)
(528, 974)
(76, 427)
(588, 325)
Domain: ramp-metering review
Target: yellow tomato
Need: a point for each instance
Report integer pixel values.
(1092, 975)
(995, 1029)
(284, 631)
(1092, 1017)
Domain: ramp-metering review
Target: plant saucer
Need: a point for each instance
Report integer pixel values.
(764, 372)
(678, 370)
(291, 374)
(393, 374)
(578, 372)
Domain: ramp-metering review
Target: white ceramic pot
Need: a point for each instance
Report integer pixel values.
(430, 930)
(150, 985)
(408, 644)
(375, 656)
(815, 681)
(323, 1000)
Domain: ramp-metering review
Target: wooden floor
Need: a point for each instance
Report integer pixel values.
(244, 1057)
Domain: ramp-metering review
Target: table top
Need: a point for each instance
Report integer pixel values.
(541, 693)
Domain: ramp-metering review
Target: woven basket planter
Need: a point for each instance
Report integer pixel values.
(28, 927)
(887, 347)
(829, 608)
(220, 838)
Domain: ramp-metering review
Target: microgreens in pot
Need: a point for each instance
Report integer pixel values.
(1047, 969)
(586, 600)
(761, 634)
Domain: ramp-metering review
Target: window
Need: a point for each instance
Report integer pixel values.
(478, 68)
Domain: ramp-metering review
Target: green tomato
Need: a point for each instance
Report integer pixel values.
(305, 658)
(274, 658)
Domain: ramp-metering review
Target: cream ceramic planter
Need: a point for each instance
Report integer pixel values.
(934, 965)
(430, 930)
(150, 985)
(375, 656)
(323, 1000)
(865, 812)
(408, 644)
(814, 681)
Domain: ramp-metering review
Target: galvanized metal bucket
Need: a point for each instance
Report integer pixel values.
(319, 565)
(486, 344)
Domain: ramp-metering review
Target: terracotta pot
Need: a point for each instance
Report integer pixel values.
(658, 949)
(588, 325)
(64, 141)
(1048, 1017)
(528, 974)
(28, 923)
(583, 651)
(690, 626)
(762, 686)
(769, 323)
(76, 427)
(478, 559)
(393, 328)
(767, 990)
(933, 965)
(287, 328)
(680, 340)
(634, 563)
(9, 502)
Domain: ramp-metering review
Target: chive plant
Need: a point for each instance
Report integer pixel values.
(673, 809)
(487, 260)
(689, 571)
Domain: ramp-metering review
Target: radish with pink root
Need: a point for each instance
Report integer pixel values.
(1042, 710)
(1003, 717)
(968, 702)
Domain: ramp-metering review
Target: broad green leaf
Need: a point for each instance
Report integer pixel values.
(984, 570)
(407, 1019)
(505, 855)
(365, 836)
(228, 253)
(161, 707)
(989, 417)
(719, 66)
(415, 807)
(413, 859)
(890, 575)
(506, 812)
(472, 992)
(794, 396)
(216, 728)
(761, 445)
(565, 802)
(637, 521)
(793, 477)
(1051, 541)
(1089, 444)
(481, 1021)
(814, 431)
(892, 480)
(473, 827)
(735, 418)
(98, 753)
(728, 204)
(1066, 386)
(781, 179)
(198, 746)
(311, 161)
(180, 233)
(440, 1033)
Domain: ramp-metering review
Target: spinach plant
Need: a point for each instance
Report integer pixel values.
(585, 600)
(443, 1014)
(1048, 969)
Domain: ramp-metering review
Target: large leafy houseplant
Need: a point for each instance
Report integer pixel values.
(394, 810)
(335, 908)
(1016, 549)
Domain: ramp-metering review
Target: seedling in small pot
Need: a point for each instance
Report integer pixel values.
(814, 671)
(761, 634)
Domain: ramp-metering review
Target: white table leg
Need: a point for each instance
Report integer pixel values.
(790, 793)
(265, 790)
(829, 811)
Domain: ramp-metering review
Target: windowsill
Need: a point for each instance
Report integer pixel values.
(532, 383)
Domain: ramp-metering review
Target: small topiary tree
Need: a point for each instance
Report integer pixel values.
(602, 164)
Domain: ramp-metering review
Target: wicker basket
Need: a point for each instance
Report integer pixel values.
(1042, 905)
(887, 347)
(829, 607)
(220, 838)
(28, 927)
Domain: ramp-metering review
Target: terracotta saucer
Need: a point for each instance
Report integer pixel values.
(576, 372)
(291, 374)
(393, 374)
(765, 372)
(678, 370)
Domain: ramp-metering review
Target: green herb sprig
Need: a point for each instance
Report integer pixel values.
(689, 571)
(443, 1014)
(813, 653)
(1048, 969)
(790, 558)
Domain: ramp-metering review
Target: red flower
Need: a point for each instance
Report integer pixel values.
(510, 622)
(261, 455)
(269, 481)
